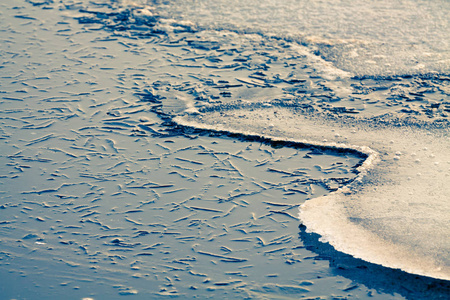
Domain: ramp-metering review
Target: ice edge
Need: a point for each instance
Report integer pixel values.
(370, 160)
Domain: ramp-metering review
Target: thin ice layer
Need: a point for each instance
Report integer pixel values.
(363, 37)
(395, 213)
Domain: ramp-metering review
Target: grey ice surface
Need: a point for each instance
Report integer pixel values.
(101, 198)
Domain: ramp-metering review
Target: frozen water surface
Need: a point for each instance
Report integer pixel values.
(376, 38)
(400, 196)
(164, 149)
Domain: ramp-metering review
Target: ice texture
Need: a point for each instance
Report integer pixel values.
(396, 211)
(365, 38)
(163, 150)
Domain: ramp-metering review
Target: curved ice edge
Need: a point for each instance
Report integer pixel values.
(370, 155)
(371, 158)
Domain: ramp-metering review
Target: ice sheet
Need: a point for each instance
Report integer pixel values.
(395, 213)
(101, 190)
(366, 38)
